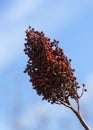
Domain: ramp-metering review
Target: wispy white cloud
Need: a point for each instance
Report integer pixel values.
(60, 14)
(21, 9)
(56, 13)
(10, 47)
(38, 112)
(10, 37)
(3, 56)
(4, 125)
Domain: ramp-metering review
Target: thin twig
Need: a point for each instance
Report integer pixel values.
(79, 116)
(78, 106)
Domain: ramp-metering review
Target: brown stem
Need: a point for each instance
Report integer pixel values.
(80, 119)
(77, 113)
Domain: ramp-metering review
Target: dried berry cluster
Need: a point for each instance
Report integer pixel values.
(49, 69)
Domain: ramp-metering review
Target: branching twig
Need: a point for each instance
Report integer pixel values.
(77, 113)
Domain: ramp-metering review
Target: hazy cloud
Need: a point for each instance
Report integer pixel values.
(20, 9)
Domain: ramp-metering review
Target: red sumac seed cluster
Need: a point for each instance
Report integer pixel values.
(49, 69)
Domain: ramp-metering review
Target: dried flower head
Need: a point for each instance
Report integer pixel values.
(49, 69)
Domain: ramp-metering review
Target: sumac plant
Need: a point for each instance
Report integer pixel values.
(51, 73)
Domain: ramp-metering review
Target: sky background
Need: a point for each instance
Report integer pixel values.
(70, 22)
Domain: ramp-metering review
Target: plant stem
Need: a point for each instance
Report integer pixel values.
(79, 116)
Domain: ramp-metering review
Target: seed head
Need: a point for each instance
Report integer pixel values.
(49, 69)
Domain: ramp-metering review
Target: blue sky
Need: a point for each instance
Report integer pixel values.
(70, 22)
